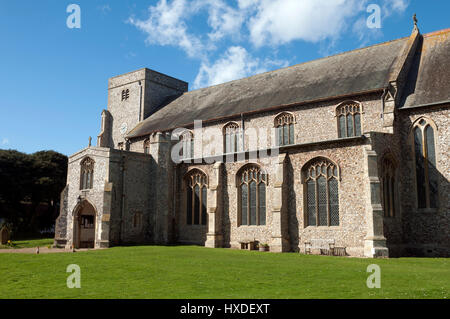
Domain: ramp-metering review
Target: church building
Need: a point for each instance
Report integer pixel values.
(347, 155)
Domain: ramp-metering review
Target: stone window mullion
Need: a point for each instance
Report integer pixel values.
(257, 203)
(316, 190)
(328, 200)
(248, 203)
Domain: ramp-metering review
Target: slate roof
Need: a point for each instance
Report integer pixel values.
(429, 77)
(353, 72)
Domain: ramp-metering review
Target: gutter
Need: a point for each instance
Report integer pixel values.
(424, 105)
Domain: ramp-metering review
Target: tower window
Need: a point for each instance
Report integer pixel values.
(125, 94)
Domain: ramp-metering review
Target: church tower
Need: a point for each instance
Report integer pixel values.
(132, 97)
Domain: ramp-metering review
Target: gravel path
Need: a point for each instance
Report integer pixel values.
(42, 250)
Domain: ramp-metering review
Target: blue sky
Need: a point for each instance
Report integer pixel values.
(54, 79)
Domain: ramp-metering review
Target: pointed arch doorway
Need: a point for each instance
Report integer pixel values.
(84, 225)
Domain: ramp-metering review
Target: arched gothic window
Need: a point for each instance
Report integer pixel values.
(349, 120)
(87, 173)
(425, 159)
(388, 185)
(252, 182)
(147, 146)
(321, 188)
(187, 151)
(284, 124)
(232, 136)
(196, 203)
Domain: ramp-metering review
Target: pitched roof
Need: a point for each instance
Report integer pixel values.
(352, 72)
(428, 80)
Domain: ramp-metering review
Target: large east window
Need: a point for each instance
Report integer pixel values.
(251, 182)
(320, 178)
(425, 160)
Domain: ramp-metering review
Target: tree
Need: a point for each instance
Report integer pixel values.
(29, 188)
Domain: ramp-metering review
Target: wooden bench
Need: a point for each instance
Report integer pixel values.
(325, 246)
(248, 245)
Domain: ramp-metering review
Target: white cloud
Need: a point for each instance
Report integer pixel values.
(397, 5)
(223, 19)
(390, 7)
(104, 8)
(282, 21)
(236, 63)
(5, 141)
(166, 26)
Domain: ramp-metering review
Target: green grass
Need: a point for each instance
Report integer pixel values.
(198, 272)
(31, 243)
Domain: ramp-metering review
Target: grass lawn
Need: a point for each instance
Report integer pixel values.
(16, 244)
(198, 272)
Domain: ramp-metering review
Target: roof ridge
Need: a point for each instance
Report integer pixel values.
(298, 64)
(434, 33)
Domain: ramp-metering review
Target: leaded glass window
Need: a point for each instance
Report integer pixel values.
(284, 125)
(388, 170)
(196, 201)
(425, 160)
(87, 173)
(147, 146)
(349, 120)
(187, 140)
(321, 193)
(252, 182)
(232, 138)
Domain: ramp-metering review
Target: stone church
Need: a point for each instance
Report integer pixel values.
(347, 153)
